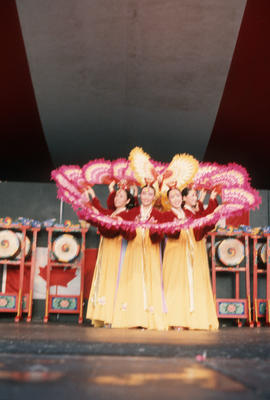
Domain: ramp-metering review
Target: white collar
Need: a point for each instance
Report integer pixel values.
(145, 212)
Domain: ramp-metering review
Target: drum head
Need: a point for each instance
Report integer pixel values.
(66, 248)
(231, 252)
(9, 244)
(27, 245)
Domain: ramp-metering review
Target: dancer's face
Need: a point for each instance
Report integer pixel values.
(120, 199)
(147, 196)
(175, 198)
(191, 199)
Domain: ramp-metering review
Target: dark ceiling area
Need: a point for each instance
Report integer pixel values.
(86, 80)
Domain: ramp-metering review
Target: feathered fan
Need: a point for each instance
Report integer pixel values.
(98, 172)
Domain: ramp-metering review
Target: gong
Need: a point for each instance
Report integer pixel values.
(66, 248)
(9, 243)
(231, 252)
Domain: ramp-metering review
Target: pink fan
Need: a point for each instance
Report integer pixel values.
(97, 172)
(202, 178)
(211, 176)
(119, 167)
(249, 198)
(237, 194)
(67, 190)
(74, 174)
(229, 177)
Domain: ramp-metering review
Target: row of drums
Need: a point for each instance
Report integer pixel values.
(65, 248)
(231, 252)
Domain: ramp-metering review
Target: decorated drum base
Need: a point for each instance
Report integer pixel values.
(66, 248)
(231, 252)
(9, 244)
(227, 308)
(68, 304)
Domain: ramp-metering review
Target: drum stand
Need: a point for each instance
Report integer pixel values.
(61, 304)
(16, 302)
(235, 308)
(261, 307)
(32, 264)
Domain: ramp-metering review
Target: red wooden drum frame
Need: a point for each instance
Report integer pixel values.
(261, 306)
(52, 301)
(16, 302)
(235, 308)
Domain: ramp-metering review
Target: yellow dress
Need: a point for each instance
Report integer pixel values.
(187, 285)
(140, 301)
(105, 280)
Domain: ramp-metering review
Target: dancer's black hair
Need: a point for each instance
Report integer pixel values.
(131, 199)
(184, 193)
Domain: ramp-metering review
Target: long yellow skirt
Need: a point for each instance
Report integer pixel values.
(140, 298)
(187, 285)
(105, 281)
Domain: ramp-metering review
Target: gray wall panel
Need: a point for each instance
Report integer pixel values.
(260, 217)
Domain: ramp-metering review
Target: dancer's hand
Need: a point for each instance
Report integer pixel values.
(111, 186)
(90, 191)
(202, 195)
(213, 194)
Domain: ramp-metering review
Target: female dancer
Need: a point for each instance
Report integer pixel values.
(140, 301)
(109, 261)
(133, 191)
(204, 305)
(186, 275)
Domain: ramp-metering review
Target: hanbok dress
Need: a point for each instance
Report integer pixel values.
(187, 285)
(140, 301)
(107, 271)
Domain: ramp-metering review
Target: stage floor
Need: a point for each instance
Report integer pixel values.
(68, 361)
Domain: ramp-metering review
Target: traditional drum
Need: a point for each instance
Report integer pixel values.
(231, 252)
(209, 250)
(262, 253)
(66, 248)
(27, 245)
(9, 244)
